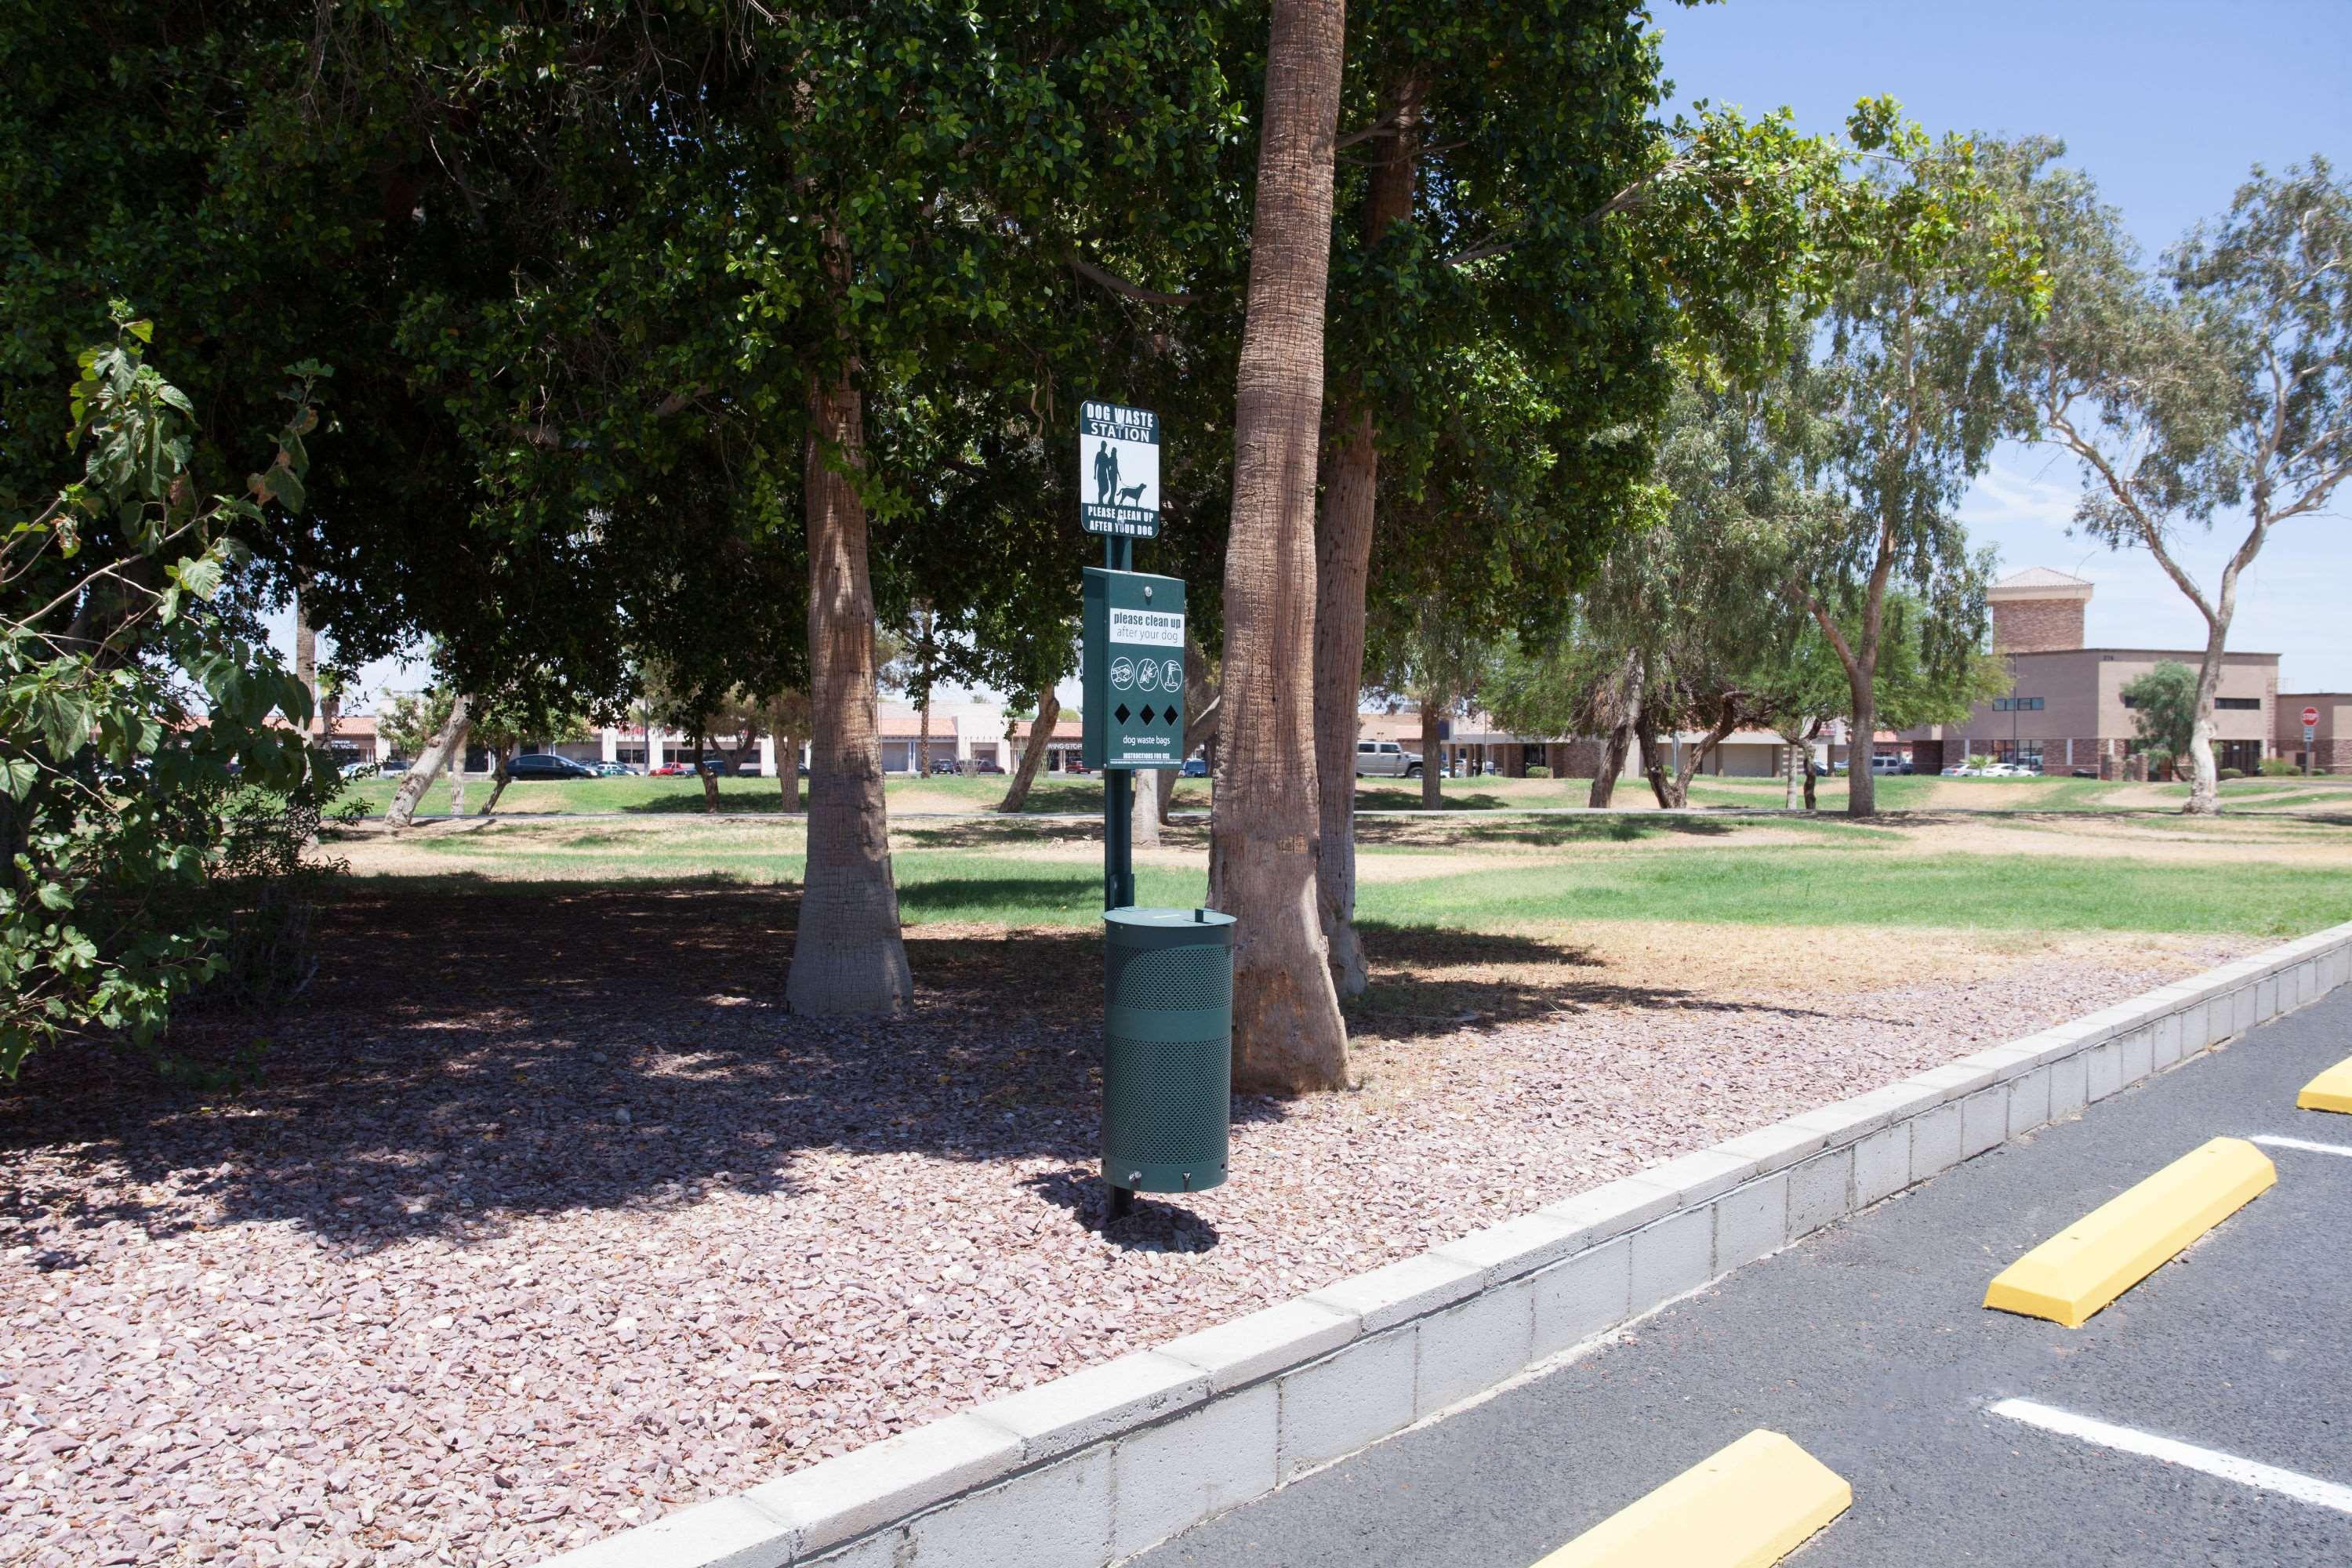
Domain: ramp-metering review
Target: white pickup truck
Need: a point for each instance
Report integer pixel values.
(1386, 759)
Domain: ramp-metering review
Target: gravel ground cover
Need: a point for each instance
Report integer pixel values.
(546, 1219)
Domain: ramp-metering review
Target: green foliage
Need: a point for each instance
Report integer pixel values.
(147, 787)
(2280, 768)
(2163, 704)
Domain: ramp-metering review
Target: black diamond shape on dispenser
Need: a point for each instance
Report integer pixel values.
(1119, 712)
(1145, 716)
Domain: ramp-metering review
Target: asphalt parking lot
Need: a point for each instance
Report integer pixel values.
(1866, 1344)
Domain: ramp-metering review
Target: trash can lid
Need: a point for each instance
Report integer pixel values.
(1142, 918)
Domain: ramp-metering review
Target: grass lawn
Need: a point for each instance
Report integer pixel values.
(1054, 793)
(2274, 877)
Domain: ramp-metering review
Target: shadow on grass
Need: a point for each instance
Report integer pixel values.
(1538, 831)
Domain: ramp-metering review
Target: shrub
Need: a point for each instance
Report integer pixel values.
(2226, 774)
(136, 724)
(2280, 768)
(1539, 772)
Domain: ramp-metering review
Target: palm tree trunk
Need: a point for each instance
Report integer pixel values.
(1343, 556)
(1033, 755)
(1288, 1036)
(447, 742)
(847, 954)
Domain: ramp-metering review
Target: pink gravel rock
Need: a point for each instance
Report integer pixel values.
(423, 1295)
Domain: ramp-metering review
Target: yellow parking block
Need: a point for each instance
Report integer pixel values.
(2122, 1242)
(1744, 1506)
(2331, 1091)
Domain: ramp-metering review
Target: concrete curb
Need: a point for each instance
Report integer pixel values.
(1096, 1466)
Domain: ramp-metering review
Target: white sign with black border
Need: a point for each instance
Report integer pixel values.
(1119, 471)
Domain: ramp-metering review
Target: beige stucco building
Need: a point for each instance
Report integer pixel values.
(2065, 711)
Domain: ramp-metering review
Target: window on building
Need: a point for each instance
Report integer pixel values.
(2028, 753)
(2246, 756)
(2019, 704)
(2239, 704)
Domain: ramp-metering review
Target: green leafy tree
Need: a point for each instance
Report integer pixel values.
(2164, 704)
(2220, 387)
(136, 705)
(1924, 341)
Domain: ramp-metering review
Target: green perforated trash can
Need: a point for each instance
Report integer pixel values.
(1168, 1049)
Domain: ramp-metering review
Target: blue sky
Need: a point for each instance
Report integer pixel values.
(2166, 104)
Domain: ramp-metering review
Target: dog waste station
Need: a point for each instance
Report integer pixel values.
(1168, 974)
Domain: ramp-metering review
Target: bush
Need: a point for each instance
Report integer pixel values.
(1539, 772)
(2280, 768)
(2226, 774)
(136, 726)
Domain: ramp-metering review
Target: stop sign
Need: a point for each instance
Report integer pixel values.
(2311, 715)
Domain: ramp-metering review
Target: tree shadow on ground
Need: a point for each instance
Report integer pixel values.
(1431, 981)
(471, 1052)
(1540, 832)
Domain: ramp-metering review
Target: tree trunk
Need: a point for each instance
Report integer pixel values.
(1630, 686)
(1654, 761)
(1432, 767)
(1792, 772)
(847, 954)
(1033, 755)
(788, 771)
(1725, 723)
(306, 651)
(499, 778)
(448, 743)
(1812, 775)
(2205, 782)
(1288, 1036)
(1343, 555)
(1144, 816)
(703, 775)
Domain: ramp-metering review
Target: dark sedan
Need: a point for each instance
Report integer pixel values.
(545, 767)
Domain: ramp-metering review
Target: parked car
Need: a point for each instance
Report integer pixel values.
(748, 768)
(358, 770)
(1386, 760)
(392, 767)
(1195, 768)
(2086, 773)
(614, 770)
(1885, 767)
(546, 767)
(985, 765)
(945, 767)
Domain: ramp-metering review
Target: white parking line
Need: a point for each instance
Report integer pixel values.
(2229, 1466)
(2276, 1142)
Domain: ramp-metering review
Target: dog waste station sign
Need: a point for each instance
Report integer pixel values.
(1168, 975)
(1133, 670)
(1119, 471)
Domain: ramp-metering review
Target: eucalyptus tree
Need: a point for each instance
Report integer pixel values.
(2219, 389)
(1926, 340)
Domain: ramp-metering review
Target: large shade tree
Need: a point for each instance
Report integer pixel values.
(1924, 341)
(2216, 392)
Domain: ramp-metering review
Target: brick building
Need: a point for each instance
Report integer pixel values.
(2332, 744)
(2065, 713)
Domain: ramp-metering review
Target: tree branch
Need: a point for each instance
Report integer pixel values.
(1123, 288)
